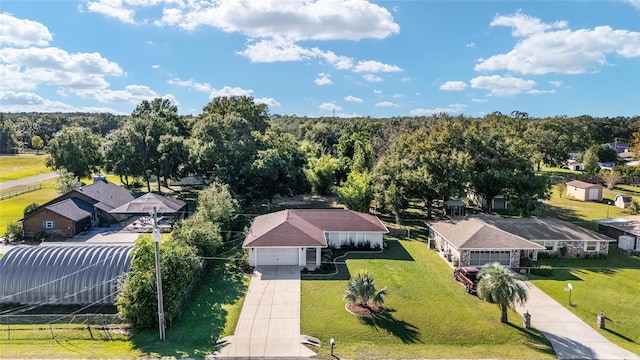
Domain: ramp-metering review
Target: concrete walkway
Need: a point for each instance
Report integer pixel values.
(571, 337)
(269, 324)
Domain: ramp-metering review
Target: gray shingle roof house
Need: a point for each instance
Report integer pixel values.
(295, 237)
(479, 240)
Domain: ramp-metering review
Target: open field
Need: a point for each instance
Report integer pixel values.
(12, 209)
(15, 167)
(429, 314)
(610, 285)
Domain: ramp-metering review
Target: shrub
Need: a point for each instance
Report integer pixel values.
(563, 251)
(543, 270)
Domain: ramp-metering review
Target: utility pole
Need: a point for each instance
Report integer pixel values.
(156, 242)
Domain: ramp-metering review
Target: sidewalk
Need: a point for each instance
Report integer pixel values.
(571, 337)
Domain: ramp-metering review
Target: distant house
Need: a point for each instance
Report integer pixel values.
(626, 156)
(622, 201)
(296, 237)
(619, 147)
(584, 191)
(476, 241)
(575, 165)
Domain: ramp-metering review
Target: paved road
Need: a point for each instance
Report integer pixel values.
(269, 324)
(571, 337)
(29, 180)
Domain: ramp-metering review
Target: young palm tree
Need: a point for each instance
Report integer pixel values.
(498, 284)
(362, 289)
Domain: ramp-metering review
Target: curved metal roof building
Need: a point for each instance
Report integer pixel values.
(61, 274)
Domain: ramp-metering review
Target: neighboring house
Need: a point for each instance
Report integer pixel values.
(584, 191)
(498, 203)
(606, 165)
(575, 165)
(619, 147)
(296, 237)
(617, 228)
(94, 205)
(66, 218)
(626, 156)
(454, 207)
(476, 241)
(622, 201)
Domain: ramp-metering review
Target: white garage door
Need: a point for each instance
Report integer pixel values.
(285, 256)
(593, 194)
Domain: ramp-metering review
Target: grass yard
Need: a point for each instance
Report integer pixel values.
(610, 285)
(214, 310)
(15, 167)
(429, 314)
(12, 209)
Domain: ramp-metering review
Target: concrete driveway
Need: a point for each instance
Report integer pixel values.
(269, 324)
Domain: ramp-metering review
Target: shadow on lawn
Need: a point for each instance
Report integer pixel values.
(195, 334)
(401, 329)
(625, 338)
(535, 339)
(393, 251)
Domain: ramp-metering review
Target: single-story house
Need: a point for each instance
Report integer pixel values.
(584, 191)
(622, 226)
(626, 156)
(475, 241)
(619, 147)
(575, 165)
(622, 201)
(149, 202)
(296, 237)
(90, 206)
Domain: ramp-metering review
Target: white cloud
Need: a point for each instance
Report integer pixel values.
(453, 86)
(229, 91)
(406, 79)
(502, 86)
(397, 96)
(323, 79)
(536, 92)
(451, 109)
(155, 66)
(131, 94)
(111, 8)
(30, 102)
(354, 99)
(386, 104)
(298, 20)
(479, 100)
(555, 83)
(634, 3)
(267, 101)
(272, 50)
(377, 91)
(372, 66)
(470, 45)
(22, 32)
(53, 66)
(329, 106)
(372, 78)
(338, 61)
(202, 87)
(565, 51)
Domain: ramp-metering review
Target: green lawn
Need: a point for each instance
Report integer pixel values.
(613, 291)
(12, 209)
(429, 316)
(15, 167)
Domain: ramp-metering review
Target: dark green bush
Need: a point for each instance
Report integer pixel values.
(542, 270)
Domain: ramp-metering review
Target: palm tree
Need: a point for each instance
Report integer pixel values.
(362, 289)
(498, 284)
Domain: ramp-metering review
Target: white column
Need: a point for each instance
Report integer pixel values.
(318, 257)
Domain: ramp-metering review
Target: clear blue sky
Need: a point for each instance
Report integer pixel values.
(317, 57)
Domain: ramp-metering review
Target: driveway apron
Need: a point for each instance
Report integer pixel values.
(571, 337)
(269, 324)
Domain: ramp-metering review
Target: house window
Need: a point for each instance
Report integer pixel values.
(591, 246)
(49, 224)
(549, 245)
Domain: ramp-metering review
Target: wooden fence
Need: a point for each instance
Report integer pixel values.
(20, 191)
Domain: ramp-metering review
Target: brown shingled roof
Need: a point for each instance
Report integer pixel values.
(582, 184)
(306, 227)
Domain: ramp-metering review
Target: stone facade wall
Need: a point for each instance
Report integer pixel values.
(576, 248)
(515, 258)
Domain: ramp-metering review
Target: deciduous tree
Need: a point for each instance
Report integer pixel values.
(77, 150)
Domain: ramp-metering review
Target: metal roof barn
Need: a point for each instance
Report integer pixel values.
(63, 274)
